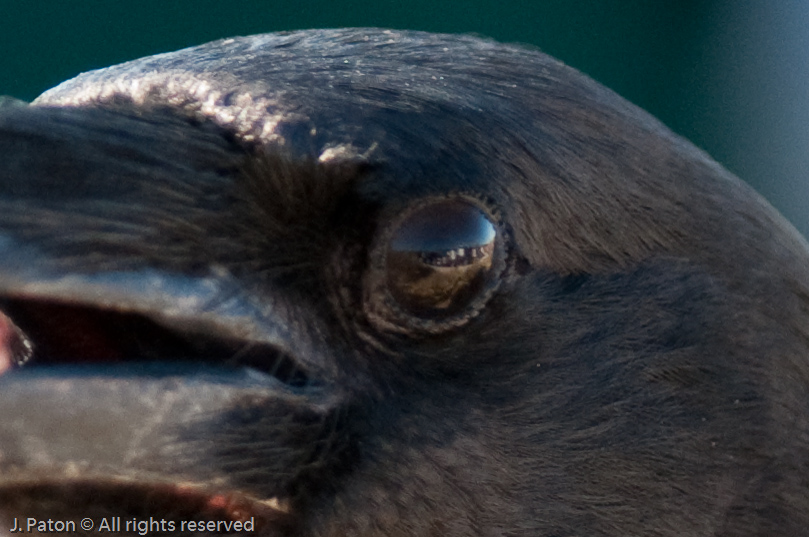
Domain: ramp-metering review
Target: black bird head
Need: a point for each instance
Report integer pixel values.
(376, 283)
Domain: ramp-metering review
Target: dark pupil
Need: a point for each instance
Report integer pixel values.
(440, 258)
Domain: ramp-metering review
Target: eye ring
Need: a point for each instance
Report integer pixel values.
(435, 265)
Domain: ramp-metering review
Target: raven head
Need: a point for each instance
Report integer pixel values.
(375, 283)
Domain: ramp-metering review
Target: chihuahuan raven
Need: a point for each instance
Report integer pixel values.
(375, 283)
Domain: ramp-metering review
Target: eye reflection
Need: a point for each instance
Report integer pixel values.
(441, 257)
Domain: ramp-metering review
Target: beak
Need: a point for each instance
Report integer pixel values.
(129, 369)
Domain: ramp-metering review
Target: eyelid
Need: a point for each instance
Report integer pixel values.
(447, 224)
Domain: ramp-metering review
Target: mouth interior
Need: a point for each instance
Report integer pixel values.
(36, 333)
(170, 502)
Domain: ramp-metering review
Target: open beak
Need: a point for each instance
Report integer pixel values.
(134, 382)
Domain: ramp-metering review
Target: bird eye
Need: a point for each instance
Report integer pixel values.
(440, 258)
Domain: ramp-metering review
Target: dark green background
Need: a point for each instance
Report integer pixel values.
(732, 76)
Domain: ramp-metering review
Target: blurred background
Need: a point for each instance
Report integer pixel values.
(730, 75)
